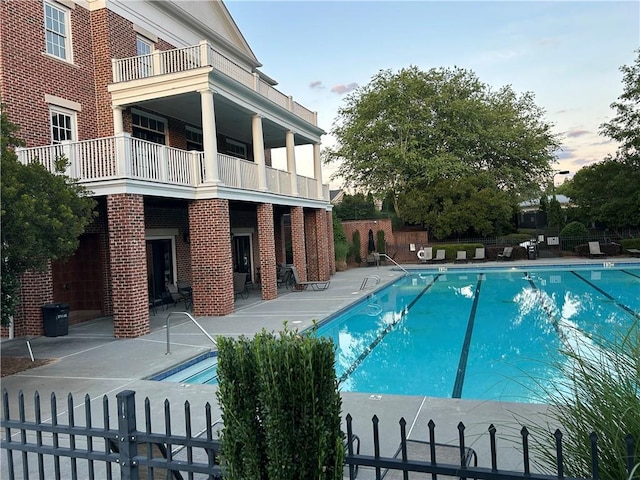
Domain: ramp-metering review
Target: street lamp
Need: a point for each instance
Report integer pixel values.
(553, 183)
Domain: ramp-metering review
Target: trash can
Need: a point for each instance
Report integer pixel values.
(55, 317)
(532, 252)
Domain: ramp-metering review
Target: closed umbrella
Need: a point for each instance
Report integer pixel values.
(372, 245)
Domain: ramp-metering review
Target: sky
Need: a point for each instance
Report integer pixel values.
(567, 53)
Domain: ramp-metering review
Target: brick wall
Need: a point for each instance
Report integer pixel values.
(128, 265)
(332, 251)
(28, 73)
(311, 244)
(266, 247)
(211, 259)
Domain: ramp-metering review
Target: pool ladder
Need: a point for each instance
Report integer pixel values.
(367, 279)
(196, 324)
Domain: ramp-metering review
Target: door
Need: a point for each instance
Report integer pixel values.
(159, 266)
(242, 258)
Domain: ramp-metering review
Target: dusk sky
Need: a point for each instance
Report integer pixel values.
(568, 53)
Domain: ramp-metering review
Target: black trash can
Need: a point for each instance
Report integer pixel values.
(532, 252)
(56, 319)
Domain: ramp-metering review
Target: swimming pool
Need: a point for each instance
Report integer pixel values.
(485, 334)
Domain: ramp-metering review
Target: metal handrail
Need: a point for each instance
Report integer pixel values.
(396, 263)
(194, 321)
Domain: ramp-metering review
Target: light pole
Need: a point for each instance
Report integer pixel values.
(553, 183)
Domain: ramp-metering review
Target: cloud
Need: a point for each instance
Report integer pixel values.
(316, 85)
(577, 133)
(565, 153)
(342, 89)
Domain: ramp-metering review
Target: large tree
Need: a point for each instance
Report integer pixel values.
(42, 217)
(414, 128)
(625, 126)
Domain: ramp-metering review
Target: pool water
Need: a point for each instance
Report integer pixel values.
(485, 334)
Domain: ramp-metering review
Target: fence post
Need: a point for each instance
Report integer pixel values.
(127, 446)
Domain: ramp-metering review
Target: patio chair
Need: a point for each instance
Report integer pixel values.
(633, 251)
(440, 256)
(594, 250)
(444, 454)
(154, 451)
(479, 256)
(240, 285)
(315, 284)
(425, 254)
(506, 253)
(461, 256)
(174, 292)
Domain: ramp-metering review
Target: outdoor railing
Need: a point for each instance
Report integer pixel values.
(162, 62)
(125, 157)
(47, 447)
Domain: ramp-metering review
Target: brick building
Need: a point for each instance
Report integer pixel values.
(165, 117)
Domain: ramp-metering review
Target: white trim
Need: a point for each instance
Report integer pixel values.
(68, 43)
(145, 33)
(62, 102)
(67, 3)
(166, 234)
(72, 114)
(142, 113)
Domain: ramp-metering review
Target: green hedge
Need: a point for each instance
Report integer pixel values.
(280, 408)
(452, 249)
(628, 243)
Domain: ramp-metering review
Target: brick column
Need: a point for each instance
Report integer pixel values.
(298, 242)
(311, 244)
(36, 289)
(211, 260)
(267, 249)
(332, 251)
(127, 253)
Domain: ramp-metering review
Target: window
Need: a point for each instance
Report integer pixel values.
(57, 30)
(148, 127)
(236, 148)
(144, 47)
(63, 124)
(194, 139)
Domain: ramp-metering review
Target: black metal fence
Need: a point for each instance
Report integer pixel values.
(46, 449)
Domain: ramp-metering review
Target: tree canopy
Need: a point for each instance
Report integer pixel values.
(625, 126)
(409, 130)
(42, 216)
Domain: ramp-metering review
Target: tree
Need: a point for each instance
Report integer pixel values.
(356, 207)
(468, 206)
(607, 192)
(42, 216)
(625, 126)
(443, 124)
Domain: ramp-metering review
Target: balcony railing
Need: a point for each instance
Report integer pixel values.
(197, 56)
(125, 157)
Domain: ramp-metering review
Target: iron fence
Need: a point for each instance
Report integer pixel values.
(47, 449)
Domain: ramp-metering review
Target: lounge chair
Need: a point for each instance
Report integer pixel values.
(479, 256)
(594, 250)
(176, 295)
(440, 256)
(315, 284)
(240, 284)
(425, 254)
(150, 451)
(421, 450)
(633, 251)
(461, 256)
(506, 253)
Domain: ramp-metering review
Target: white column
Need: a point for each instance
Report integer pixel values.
(209, 139)
(258, 151)
(317, 169)
(291, 161)
(118, 125)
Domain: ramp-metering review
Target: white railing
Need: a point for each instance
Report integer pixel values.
(162, 62)
(123, 156)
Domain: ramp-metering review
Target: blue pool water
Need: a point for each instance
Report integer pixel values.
(486, 334)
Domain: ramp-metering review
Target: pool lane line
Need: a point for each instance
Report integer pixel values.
(464, 354)
(383, 334)
(630, 273)
(597, 288)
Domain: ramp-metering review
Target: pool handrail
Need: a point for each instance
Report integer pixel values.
(194, 321)
(393, 261)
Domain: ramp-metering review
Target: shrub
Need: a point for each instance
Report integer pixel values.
(341, 251)
(574, 229)
(628, 243)
(280, 407)
(381, 242)
(355, 247)
(597, 390)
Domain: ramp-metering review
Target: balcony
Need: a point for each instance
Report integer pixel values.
(122, 164)
(185, 59)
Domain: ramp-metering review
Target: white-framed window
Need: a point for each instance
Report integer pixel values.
(236, 148)
(63, 124)
(194, 139)
(57, 27)
(144, 48)
(148, 127)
